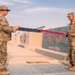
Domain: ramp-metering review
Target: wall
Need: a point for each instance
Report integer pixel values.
(35, 39)
(55, 42)
(32, 39)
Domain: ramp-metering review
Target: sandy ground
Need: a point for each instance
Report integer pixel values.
(24, 56)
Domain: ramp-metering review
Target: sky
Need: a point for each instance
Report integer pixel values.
(36, 13)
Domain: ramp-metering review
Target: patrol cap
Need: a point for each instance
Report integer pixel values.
(4, 8)
(71, 13)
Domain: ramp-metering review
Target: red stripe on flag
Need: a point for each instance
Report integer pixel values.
(53, 32)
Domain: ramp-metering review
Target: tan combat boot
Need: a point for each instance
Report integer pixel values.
(4, 73)
(69, 66)
(72, 68)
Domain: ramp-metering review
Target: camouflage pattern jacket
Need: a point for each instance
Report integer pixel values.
(5, 29)
(71, 29)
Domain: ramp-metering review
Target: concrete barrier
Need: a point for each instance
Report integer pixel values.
(51, 53)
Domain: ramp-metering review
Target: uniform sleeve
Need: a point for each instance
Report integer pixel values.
(9, 29)
(73, 29)
(5, 26)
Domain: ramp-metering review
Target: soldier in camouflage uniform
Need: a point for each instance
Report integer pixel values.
(71, 42)
(5, 35)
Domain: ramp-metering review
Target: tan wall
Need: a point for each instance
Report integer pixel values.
(25, 38)
(35, 39)
(32, 39)
(15, 38)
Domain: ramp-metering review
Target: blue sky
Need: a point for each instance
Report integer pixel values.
(36, 13)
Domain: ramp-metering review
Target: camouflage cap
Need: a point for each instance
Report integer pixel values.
(71, 13)
(4, 8)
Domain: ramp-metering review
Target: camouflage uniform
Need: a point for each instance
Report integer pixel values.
(5, 36)
(71, 42)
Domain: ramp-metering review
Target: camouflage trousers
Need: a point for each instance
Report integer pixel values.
(71, 53)
(3, 56)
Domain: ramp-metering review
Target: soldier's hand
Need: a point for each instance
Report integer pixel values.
(67, 34)
(17, 27)
(72, 34)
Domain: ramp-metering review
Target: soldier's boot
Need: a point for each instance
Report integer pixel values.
(4, 73)
(72, 68)
(69, 66)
